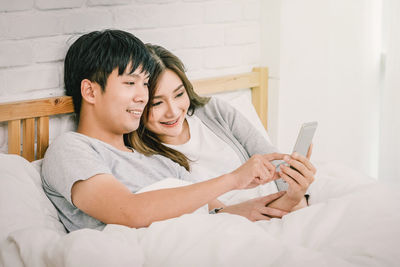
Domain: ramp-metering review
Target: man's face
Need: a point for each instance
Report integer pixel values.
(120, 107)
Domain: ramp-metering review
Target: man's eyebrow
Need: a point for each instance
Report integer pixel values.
(177, 88)
(136, 75)
(132, 74)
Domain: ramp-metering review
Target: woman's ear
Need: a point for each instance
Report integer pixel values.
(88, 91)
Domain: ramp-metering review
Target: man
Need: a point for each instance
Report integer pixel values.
(91, 176)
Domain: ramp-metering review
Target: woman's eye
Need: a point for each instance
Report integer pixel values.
(146, 84)
(156, 104)
(130, 83)
(180, 94)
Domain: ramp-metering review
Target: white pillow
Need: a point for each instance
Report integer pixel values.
(23, 203)
(32, 235)
(241, 100)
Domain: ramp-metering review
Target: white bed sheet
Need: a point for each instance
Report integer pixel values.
(352, 221)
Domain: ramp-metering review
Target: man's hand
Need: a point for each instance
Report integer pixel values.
(255, 209)
(256, 171)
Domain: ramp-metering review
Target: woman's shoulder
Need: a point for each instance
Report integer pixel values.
(215, 105)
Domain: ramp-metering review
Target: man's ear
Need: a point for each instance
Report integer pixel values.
(88, 91)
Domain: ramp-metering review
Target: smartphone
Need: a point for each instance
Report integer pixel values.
(303, 142)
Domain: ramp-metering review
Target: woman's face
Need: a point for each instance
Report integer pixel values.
(168, 109)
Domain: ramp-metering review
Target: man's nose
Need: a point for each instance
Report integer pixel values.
(142, 94)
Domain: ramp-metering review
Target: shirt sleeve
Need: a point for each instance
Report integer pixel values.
(243, 130)
(68, 160)
(246, 134)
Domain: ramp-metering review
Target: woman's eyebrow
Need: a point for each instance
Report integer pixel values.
(177, 88)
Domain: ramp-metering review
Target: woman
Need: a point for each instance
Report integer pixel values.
(207, 136)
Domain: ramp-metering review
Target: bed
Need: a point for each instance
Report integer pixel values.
(352, 220)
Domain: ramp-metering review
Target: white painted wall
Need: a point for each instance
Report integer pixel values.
(327, 68)
(389, 169)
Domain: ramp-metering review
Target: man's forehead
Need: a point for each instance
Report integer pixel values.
(135, 72)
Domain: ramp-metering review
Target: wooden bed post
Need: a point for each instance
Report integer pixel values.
(14, 137)
(42, 136)
(28, 139)
(259, 96)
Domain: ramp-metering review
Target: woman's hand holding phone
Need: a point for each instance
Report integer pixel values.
(300, 178)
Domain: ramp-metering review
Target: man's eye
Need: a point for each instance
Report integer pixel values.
(156, 104)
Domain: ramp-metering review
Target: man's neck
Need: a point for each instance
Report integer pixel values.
(116, 140)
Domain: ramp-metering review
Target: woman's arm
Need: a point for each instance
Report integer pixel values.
(246, 139)
(248, 136)
(257, 208)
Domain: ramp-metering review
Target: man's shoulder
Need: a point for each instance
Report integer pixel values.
(69, 142)
(68, 138)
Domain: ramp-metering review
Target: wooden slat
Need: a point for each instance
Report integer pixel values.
(36, 108)
(259, 96)
(28, 139)
(42, 136)
(226, 83)
(14, 137)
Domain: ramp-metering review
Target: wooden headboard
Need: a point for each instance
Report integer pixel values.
(26, 112)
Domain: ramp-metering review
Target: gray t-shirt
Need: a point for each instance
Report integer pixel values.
(73, 157)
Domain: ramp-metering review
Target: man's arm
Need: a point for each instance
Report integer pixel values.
(108, 200)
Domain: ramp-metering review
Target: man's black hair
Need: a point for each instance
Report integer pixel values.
(95, 55)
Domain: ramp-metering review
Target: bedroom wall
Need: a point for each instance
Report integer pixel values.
(389, 169)
(211, 37)
(325, 66)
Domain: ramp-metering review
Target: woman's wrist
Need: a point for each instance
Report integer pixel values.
(231, 181)
(290, 200)
(302, 204)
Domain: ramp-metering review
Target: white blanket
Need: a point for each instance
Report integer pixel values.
(352, 221)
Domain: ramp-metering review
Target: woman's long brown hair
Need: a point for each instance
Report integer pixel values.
(145, 141)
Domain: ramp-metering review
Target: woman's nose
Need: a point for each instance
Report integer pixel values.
(171, 110)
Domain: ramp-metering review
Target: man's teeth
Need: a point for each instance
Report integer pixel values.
(134, 112)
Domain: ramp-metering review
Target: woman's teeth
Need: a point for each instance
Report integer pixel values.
(170, 122)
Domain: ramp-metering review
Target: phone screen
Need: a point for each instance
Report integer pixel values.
(304, 139)
(303, 142)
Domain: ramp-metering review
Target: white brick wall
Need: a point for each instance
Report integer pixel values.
(223, 11)
(16, 5)
(58, 4)
(212, 37)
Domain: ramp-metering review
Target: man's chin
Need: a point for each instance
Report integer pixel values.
(132, 128)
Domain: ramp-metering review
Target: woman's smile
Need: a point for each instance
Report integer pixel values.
(172, 123)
